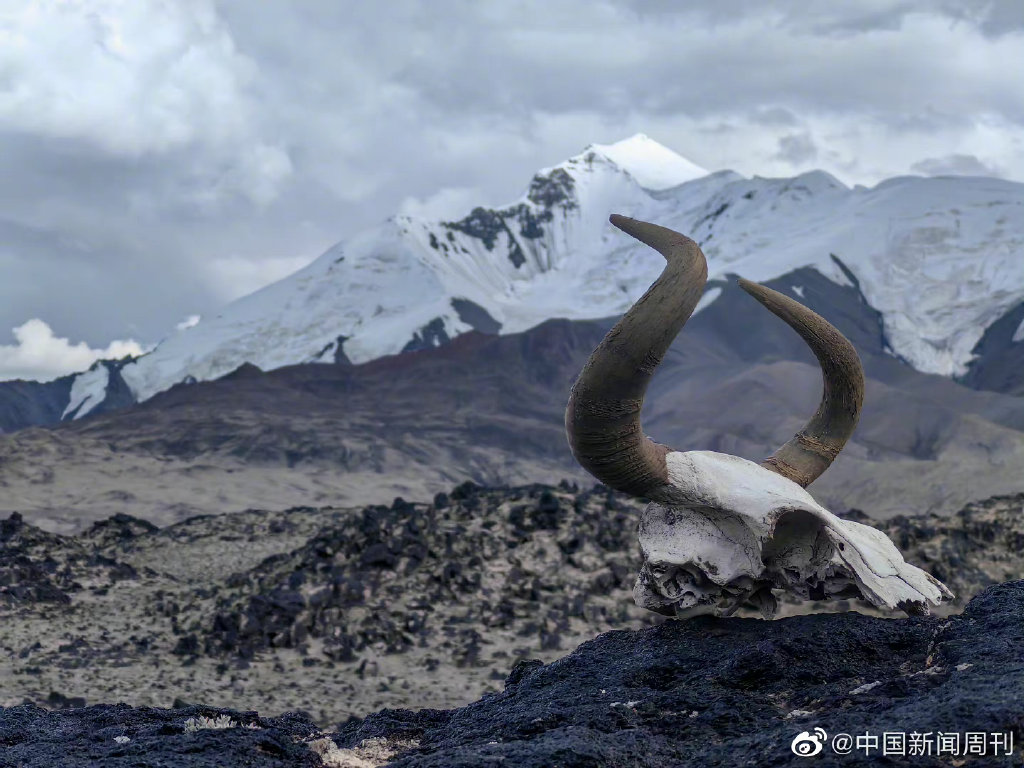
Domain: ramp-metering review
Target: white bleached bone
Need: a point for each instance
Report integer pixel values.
(735, 531)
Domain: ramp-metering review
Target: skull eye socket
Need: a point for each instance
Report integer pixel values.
(685, 574)
(660, 570)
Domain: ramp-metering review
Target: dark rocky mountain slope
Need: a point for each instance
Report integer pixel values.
(490, 409)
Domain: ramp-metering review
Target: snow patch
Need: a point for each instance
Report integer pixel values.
(189, 322)
(653, 165)
(707, 299)
(87, 391)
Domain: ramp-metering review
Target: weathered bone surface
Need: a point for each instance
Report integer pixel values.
(737, 530)
(722, 532)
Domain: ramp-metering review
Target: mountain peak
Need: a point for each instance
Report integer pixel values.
(653, 165)
(552, 254)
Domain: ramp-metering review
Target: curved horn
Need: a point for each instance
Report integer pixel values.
(602, 420)
(813, 448)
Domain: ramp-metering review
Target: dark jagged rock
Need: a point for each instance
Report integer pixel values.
(481, 223)
(738, 691)
(41, 567)
(520, 220)
(378, 579)
(998, 357)
(475, 316)
(29, 572)
(346, 611)
(119, 735)
(118, 393)
(431, 335)
(703, 692)
(116, 529)
(550, 189)
(33, 403)
(982, 544)
(400, 561)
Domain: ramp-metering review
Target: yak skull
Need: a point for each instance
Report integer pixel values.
(720, 531)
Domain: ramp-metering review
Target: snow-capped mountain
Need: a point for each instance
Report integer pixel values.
(409, 283)
(942, 260)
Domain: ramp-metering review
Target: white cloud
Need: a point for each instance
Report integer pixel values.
(39, 354)
(189, 322)
(183, 139)
(132, 76)
(447, 204)
(141, 78)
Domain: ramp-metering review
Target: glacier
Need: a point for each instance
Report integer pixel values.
(940, 258)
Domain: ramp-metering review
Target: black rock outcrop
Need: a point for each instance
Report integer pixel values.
(341, 612)
(706, 692)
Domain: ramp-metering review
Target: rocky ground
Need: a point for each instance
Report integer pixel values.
(340, 612)
(491, 409)
(706, 692)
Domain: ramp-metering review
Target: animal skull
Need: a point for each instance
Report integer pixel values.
(720, 531)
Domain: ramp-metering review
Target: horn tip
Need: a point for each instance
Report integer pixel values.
(674, 246)
(641, 230)
(760, 292)
(622, 222)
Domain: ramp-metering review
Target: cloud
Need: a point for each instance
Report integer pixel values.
(39, 354)
(995, 18)
(774, 116)
(133, 77)
(797, 149)
(189, 322)
(163, 157)
(953, 165)
(140, 78)
(447, 204)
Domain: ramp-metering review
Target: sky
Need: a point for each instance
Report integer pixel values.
(159, 158)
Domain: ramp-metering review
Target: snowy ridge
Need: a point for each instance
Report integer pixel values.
(654, 166)
(88, 390)
(407, 277)
(940, 258)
